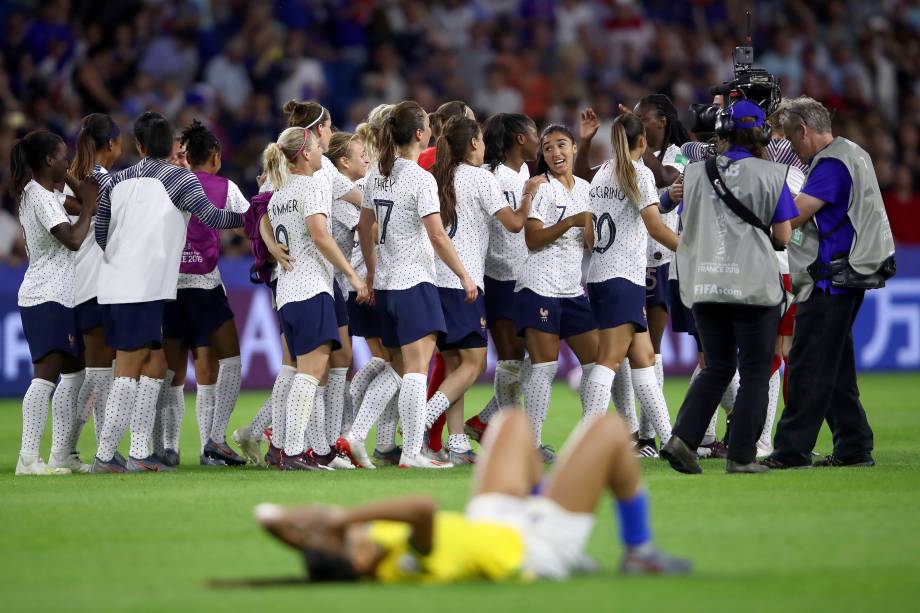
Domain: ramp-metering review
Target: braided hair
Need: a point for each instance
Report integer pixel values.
(674, 131)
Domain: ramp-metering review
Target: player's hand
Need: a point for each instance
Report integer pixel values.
(676, 191)
(534, 183)
(472, 292)
(280, 254)
(371, 295)
(360, 287)
(623, 108)
(589, 124)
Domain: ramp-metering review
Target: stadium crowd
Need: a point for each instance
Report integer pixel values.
(232, 63)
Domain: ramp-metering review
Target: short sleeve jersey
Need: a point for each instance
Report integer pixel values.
(50, 275)
(479, 198)
(345, 218)
(288, 211)
(554, 270)
(339, 184)
(507, 250)
(405, 257)
(620, 235)
(657, 254)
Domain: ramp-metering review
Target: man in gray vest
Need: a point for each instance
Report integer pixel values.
(842, 246)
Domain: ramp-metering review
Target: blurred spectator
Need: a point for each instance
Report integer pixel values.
(902, 203)
(228, 75)
(497, 96)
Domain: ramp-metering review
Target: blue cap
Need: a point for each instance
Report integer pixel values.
(746, 108)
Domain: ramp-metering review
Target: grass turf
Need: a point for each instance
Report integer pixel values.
(830, 539)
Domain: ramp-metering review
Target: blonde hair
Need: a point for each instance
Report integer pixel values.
(339, 145)
(624, 136)
(278, 157)
(369, 131)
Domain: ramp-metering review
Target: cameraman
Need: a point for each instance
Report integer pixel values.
(844, 246)
(730, 277)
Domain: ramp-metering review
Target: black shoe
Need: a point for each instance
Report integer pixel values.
(774, 463)
(733, 467)
(835, 462)
(388, 458)
(680, 457)
(222, 451)
(171, 457)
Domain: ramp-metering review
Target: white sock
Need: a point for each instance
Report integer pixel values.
(64, 414)
(226, 391)
(595, 389)
(175, 405)
(299, 406)
(96, 385)
(646, 423)
(93, 378)
(537, 391)
(204, 411)
(35, 415)
(386, 425)
(624, 398)
(458, 443)
(165, 414)
(731, 393)
(659, 370)
(143, 416)
(651, 398)
(159, 418)
(379, 393)
(262, 419)
(507, 383)
(766, 435)
(336, 388)
(315, 436)
(435, 407)
(489, 411)
(280, 391)
(710, 436)
(119, 407)
(412, 411)
(348, 410)
(362, 379)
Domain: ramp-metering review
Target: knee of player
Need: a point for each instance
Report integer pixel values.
(614, 429)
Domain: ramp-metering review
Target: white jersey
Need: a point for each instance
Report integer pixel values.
(507, 250)
(405, 257)
(237, 203)
(51, 272)
(345, 217)
(339, 184)
(479, 198)
(288, 211)
(657, 254)
(88, 257)
(555, 269)
(620, 235)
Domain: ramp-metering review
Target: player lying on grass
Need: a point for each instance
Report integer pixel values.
(516, 526)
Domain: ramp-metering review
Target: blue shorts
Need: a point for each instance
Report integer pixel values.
(362, 318)
(50, 327)
(616, 302)
(406, 315)
(681, 316)
(656, 286)
(307, 324)
(564, 317)
(500, 299)
(89, 315)
(195, 315)
(341, 305)
(134, 325)
(466, 323)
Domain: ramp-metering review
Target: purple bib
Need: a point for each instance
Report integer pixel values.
(202, 244)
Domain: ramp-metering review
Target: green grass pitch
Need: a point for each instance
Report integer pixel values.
(819, 540)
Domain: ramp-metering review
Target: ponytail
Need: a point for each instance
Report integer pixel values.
(96, 130)
(369, 131)
(500, 133)
(452, 148)
(278, 158)
(398, 131)
(310, 115)
(27, 157)
(445, 112)
(624, 135)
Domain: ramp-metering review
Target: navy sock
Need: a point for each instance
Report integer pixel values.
(634, 520)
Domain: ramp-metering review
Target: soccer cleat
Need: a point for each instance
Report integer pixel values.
(732, 467)
(714, 450)
(833, 461)
(649, 560)
(149, 464)
(273, 456)
(422, 461)
(38, 468)
(171, 457)
(646, 451)
(680, 457)
(354, 450)
(250, 445)
(547, 454)
(204, 460)
(341, 462)
(112, 466)
(438, 456)
(298, 462)
(120, 459)
(764, 452)
(461, 457)
(475, 428)
(322, 461)
(775, 463)
(72, 462)
(222, 451)
(388, 458)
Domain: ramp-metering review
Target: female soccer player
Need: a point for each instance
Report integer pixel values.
(550, 301)
(510, 140)
(99, 146)
(403, 200)
(437, 120)
(470, 198)
(624, 204)
(299, 214)
(47, 297)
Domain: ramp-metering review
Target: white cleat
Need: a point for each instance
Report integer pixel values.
(72, 463)
(354, 449)
(341, 463)
(38, 468)
(250, 445)
(764, 451)
(420, 461)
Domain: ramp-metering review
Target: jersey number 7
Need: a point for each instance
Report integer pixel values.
(383, 220)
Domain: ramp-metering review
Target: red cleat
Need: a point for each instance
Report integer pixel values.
(475, 428)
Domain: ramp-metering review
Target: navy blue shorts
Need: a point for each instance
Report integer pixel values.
(341, 305)
(134, 325)
(500, 299)
(564, 317)
(195, 315)
(307, 324)
(406, 315)
(50, 327)
(616, 302)
(362, 318)
(466, 323)
(656, 286)
(681, 316)
(89, 315)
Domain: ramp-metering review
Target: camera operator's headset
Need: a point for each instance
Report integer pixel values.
(725, 125)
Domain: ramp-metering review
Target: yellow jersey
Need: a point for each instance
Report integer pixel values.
(462, 550)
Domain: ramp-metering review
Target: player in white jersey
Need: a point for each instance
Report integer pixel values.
(624, 202)
(511, 140)
(300, 212)
(550, 300)
(470, 199)
(402, 200)
(47, 297)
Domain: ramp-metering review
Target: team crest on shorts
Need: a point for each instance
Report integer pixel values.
(72, 340)
(544, 314)
(482, 323)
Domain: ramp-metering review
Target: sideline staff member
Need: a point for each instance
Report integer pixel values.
(844, 247)
(730, 277)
